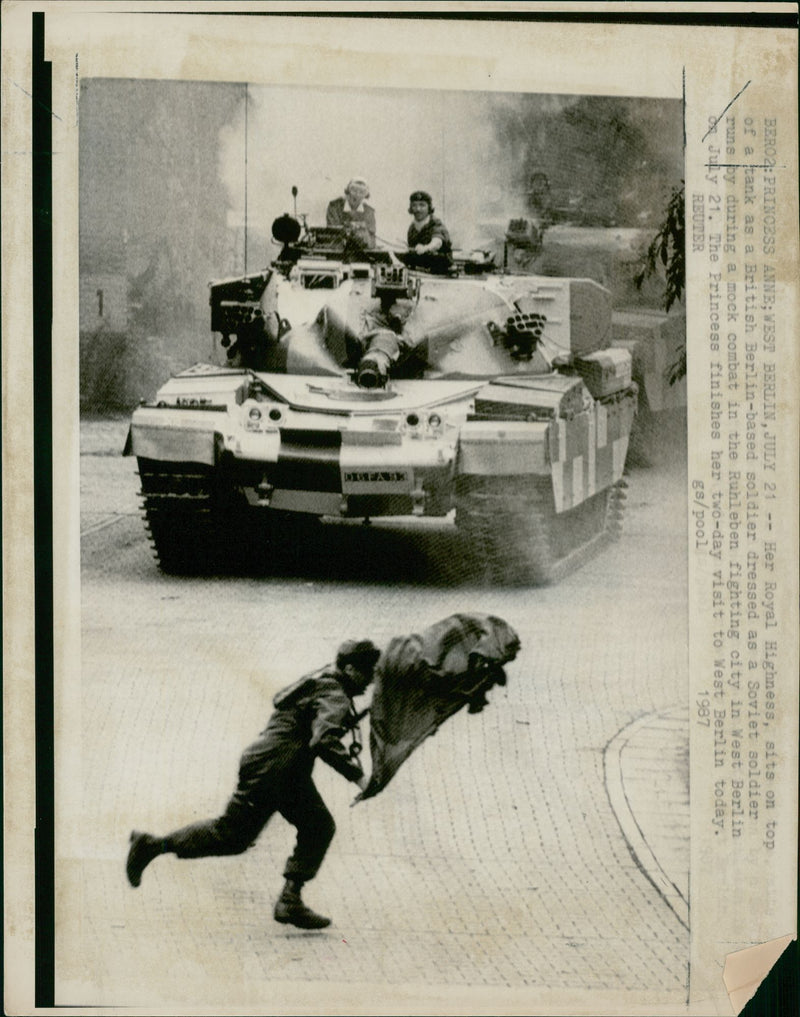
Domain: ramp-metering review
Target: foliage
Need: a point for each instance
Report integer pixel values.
(668, 248)
(667, 253)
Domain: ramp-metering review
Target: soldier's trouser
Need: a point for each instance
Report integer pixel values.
(246, 815)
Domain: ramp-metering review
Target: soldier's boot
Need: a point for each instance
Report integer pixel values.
(143, 850)
(290, 909)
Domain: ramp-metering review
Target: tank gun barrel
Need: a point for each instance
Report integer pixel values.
(373, 370)
(383, 351)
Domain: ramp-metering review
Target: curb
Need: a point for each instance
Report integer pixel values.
(642, 852)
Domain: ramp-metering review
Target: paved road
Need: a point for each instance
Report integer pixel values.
(537, 849)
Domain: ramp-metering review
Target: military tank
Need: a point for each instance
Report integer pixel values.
(354, 387)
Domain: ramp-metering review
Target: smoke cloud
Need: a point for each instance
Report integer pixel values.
(441, 142)
(473, 151)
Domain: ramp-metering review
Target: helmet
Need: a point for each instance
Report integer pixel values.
(421, 196)
(362, 654)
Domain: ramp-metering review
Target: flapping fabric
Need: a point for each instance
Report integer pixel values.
(423, 679)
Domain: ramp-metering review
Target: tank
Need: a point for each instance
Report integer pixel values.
(354, 387)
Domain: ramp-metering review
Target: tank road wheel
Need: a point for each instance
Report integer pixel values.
(517, 536)
(615, 509)
(197, 525)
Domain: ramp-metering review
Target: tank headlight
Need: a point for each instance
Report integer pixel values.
(259, 417)
(434, 421)
(412, 420)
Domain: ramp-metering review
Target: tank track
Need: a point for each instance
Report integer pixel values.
(195, 526)
(516, 536)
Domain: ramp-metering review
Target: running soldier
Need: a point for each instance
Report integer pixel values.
(275, 775)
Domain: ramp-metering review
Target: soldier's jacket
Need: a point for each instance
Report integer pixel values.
(432, 227)
(311, 717)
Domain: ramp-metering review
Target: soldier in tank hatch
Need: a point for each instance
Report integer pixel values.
(275, 775)
(353, 212)
(429, 245)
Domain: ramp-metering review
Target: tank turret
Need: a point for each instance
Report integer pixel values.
(352, 387)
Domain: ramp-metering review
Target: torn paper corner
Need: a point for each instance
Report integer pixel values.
(746, 969)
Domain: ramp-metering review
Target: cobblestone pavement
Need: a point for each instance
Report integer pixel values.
(529, 853)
